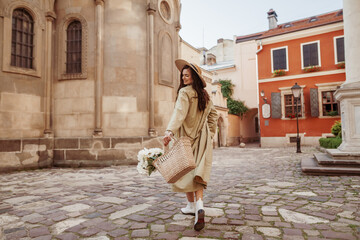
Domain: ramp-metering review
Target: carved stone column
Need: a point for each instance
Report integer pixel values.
(349, 93)
(99, 65)
(151, 9)
(50, 17)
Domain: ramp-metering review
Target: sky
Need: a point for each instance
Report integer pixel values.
(205, 21)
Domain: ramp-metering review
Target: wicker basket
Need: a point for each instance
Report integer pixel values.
(177, 161)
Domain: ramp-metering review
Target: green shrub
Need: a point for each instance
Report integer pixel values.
(336, 129)
(333, 142)
(227, 88)
(236, 107)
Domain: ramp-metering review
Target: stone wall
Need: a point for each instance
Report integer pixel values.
(21, 154)
(100, 152)
(99, 116)
(72, 152)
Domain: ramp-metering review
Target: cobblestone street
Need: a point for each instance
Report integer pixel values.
(254, 193)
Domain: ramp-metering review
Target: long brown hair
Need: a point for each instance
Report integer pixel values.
(203, 96)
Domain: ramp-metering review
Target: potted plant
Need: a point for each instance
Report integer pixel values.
(332, 113)
(340, 65)
(279, 72)
(312, 69)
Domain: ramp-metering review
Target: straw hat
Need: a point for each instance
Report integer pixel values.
(180, 64)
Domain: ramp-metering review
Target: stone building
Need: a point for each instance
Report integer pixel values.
(85, 83)
(235, 60)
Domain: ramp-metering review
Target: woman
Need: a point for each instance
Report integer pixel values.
(194, 116)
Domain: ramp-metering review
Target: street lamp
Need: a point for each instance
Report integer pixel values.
(296, 90)
(262, 94)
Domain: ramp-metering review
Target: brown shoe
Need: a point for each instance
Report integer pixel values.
(199, 220)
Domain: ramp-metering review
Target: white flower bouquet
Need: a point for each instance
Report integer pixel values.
(146, 157)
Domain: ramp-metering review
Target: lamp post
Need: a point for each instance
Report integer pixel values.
(296, 90)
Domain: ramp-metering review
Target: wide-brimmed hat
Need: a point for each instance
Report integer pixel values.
(181, 63)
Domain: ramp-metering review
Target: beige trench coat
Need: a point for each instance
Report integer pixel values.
(200, 127)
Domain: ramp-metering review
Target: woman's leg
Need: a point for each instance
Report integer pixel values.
(199, 213)
(199, 194)
(190, 196)
(190, 207)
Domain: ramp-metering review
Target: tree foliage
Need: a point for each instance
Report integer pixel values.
(235, 107)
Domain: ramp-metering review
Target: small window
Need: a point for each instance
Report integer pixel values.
(290, 106)
(73, 47)
(330, 106)
(340, 49)
(293, 139)
(313, 19)
(310, 54)
(287, 25)
(279, 59)
(22, 39)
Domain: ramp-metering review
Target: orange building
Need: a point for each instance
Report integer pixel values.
(309, 52)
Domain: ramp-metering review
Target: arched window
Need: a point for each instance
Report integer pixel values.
(73, 47)
(22, 40)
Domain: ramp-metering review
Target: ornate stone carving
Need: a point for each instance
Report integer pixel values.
(100, 2)
(32, 6)
(151, 9)
(166, 11)
(50, 16)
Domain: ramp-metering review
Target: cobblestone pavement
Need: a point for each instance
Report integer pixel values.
(253, 194)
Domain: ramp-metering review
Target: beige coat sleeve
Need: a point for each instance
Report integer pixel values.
(180, 112)
(212, 120)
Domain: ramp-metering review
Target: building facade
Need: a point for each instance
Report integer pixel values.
(85, 83)
(235, 60)
(309, 52)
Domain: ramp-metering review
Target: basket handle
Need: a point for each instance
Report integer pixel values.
(167, 148)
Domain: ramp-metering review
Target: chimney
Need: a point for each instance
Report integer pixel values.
(211, 59)
(272, 16)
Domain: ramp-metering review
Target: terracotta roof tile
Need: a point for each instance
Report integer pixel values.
(248, 37)
(302, 24)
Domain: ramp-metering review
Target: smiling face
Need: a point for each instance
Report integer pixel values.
(186, 76)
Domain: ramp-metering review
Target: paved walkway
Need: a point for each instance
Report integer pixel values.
(253, 194)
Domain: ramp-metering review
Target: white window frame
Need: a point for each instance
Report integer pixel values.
(325, 87)
(335, 48)
(302, 54)
(287, 91)
(272, 57)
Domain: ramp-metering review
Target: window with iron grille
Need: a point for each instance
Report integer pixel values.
(330, 106)
(22, 39)
(310, 54)
(73, 47)
(290, 106)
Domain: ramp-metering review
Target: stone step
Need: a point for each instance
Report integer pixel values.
(327, 159)
(311, 166)
(337, 154)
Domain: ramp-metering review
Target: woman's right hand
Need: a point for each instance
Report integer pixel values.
(167, 137)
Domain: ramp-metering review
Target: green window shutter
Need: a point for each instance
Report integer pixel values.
(314, 102)
(275, 105)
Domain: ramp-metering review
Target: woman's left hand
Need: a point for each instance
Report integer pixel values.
(167, 138)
